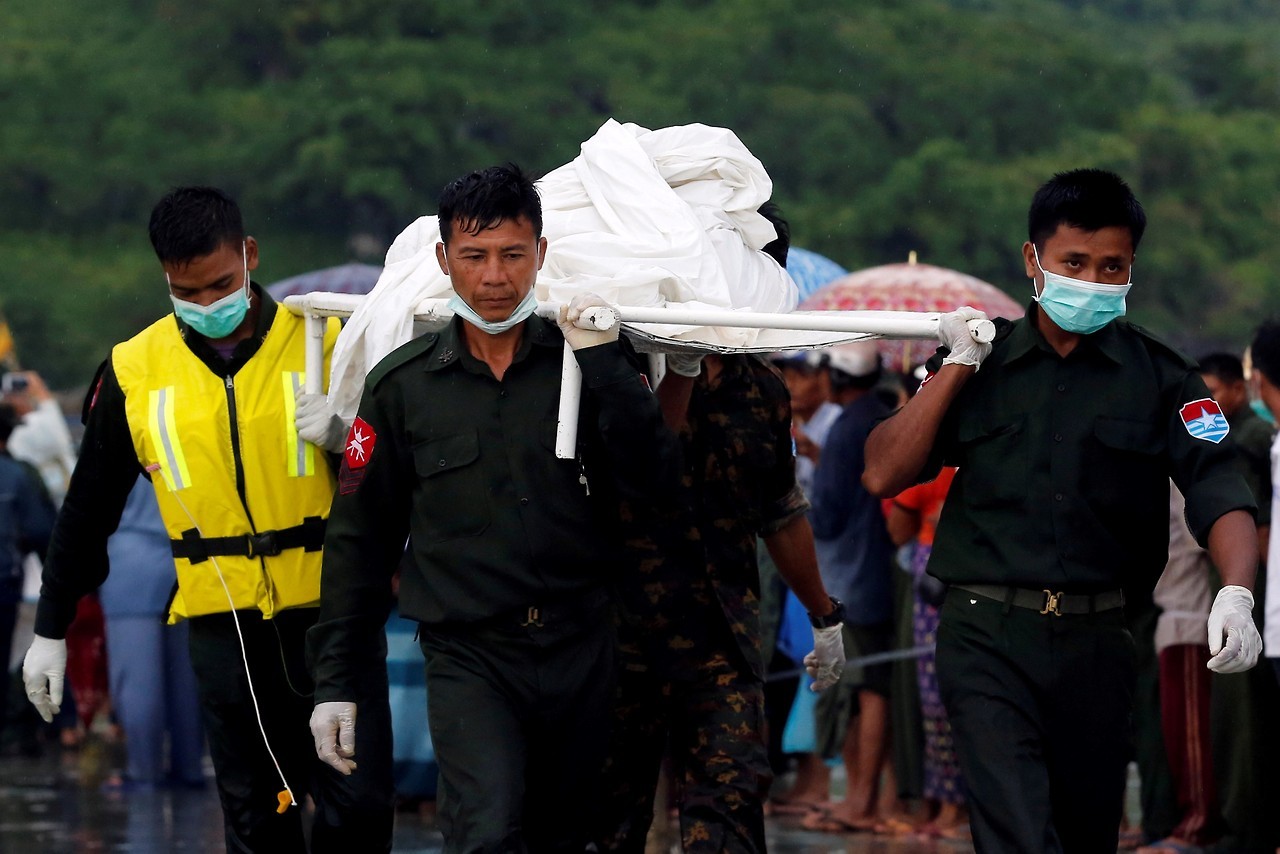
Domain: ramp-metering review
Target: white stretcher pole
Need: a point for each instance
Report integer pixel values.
(888, 324)
(313, 379)
(570, 402)
(907, 325)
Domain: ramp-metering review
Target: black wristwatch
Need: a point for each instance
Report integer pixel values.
(834, 618)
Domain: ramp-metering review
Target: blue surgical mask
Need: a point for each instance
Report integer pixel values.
(522, 311)
(219, 318)
(1079, 306)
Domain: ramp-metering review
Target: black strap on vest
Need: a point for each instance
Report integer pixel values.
(309, 536)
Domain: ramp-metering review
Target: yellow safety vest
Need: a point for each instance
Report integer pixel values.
(227, 466)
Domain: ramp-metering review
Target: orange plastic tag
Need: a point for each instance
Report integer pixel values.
(285, 799)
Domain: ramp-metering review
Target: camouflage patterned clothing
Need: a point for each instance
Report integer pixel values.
(689, 627)
(720, 768)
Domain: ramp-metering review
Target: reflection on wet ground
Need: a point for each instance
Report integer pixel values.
(62, 803)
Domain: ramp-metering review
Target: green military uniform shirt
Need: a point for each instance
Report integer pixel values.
(1064, 463)
(463, 466)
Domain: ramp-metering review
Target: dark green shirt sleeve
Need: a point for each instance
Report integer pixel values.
(1206, 473)
(365, 540)
(643, 454)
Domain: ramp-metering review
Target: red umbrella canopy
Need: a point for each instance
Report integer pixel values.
(910, 287)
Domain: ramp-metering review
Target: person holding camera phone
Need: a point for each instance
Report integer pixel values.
(41, 437)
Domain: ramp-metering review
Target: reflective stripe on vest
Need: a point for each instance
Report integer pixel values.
(301, 453)
(173, 463)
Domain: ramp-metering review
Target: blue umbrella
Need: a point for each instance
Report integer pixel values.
(811, 270)
(344, 279)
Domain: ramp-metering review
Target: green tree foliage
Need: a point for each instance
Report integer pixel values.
(886, 126)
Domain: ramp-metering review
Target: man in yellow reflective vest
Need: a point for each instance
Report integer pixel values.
(208, 402)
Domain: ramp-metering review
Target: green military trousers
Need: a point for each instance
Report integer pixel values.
(1040, 709)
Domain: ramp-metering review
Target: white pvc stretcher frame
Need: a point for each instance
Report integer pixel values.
(315, 307)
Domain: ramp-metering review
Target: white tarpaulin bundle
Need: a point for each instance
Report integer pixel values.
(642, 218)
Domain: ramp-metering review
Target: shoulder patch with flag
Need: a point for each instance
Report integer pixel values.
(356, 455)
(1204, 420)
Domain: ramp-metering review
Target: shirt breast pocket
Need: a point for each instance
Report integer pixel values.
(1126, 465)
(451, 489)
(996, 463)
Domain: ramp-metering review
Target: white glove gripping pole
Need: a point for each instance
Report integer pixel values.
(885, 324)
(244, 654)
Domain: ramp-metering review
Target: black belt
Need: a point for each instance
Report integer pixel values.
(1048, 601)
(537, 616)
(309, 536)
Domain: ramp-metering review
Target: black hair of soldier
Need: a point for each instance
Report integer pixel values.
(778, 248)
(1226, 367)
(192, 222)
(481, 200)
(1088, 199)
(1265, 350)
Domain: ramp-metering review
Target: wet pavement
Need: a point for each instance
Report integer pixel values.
(62, 803)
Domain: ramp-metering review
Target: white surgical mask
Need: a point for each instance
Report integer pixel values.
(493, 327)
(219, 318)
(1079, 306)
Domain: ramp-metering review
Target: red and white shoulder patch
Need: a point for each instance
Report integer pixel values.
(359, 450)
(1204, 420)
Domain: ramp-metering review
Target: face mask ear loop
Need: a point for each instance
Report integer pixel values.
(1035, 295)
(244, 253)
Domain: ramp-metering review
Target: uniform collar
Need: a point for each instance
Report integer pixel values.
(450, 348)
(1026, 337)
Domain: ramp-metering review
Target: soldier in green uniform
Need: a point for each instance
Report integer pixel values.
(510, 548)
(1065, 441)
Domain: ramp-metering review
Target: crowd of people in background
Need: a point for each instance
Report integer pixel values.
(784, 532)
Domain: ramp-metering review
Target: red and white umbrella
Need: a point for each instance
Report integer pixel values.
(910, 287)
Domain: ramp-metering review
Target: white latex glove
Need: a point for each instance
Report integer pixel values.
(826, 663)
(580, 339)
(953, 331)
(43, 672)
(685, 364)
(319, 424)
(333, 726)
(1233, 638)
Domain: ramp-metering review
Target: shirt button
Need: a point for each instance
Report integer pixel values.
(1057, 496)
(1061, 387)
(524, 501)
(441, 464)
(1057, 437)
(502, 393)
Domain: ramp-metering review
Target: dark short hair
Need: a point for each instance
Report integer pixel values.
(8, 420)
(191, 222)
(1225, 366)
(777, 248)
(483, 199)
(1089, 199)
(1265, 350)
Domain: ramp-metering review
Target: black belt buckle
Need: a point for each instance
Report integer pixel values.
(263, 544)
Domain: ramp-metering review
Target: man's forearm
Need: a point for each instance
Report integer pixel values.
(1233, 547)
(899, 446)
(791, 548)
